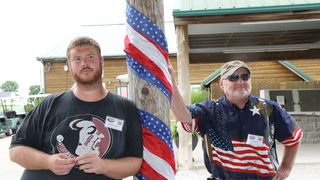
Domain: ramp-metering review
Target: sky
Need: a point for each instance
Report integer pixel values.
(30, 27)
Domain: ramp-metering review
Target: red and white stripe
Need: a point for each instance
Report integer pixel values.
(245, 158)
(161, 160)
(294, 139)
(193, 127)
(148, 53)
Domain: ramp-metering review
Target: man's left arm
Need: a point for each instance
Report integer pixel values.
(288, 134)
(289, 156)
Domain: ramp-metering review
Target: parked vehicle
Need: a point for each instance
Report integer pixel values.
(11, 115)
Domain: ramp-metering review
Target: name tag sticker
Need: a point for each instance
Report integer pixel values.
(114, 123)
(254, 140)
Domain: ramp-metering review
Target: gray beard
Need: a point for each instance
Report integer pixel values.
(242, 94)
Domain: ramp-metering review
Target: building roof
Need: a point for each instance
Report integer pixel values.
(208, 7)
(109, 36)
(296, 70)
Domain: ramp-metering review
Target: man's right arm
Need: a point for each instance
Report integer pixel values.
(178, 105)
(33, 159)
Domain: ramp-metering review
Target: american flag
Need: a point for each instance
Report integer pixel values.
(245, 158)
(220, 140)
(147, 57)
(238, 156)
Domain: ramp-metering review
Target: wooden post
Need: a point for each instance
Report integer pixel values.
(152, 98)
(146, 96)
(151, 90)
(185, 143)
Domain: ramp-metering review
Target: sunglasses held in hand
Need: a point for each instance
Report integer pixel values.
(234, 78)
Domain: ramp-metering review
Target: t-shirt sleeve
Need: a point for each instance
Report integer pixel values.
(30, 132)
(286, 130)
(134, 146)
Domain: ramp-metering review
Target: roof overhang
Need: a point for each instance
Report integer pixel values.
(212, 9)
(262, 33)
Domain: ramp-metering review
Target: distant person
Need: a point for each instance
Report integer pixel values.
(242, 128)
(83, 133)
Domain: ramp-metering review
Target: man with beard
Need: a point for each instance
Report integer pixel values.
(83, 133)
(241, 129)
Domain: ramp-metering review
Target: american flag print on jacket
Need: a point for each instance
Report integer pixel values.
(242, 139)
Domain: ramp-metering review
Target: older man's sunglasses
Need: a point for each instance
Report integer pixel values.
(234, 78)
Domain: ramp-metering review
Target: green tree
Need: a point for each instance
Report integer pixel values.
(34, 89)
(10, 86)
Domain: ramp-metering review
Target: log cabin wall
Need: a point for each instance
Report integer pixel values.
(55, 78)
(58, 80)
(265, 74)
(272, 75)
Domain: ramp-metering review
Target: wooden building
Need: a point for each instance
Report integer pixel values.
(280, 40)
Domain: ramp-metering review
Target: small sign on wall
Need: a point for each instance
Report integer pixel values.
(280, 100)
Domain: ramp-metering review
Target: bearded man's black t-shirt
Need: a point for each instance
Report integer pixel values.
(62, 123)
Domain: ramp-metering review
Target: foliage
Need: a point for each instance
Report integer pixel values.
(175, 137)
(174, 131)
(34, 89)
(175, 134)
(198, 95)
(28, 107)
(33, 103)
(10, 86)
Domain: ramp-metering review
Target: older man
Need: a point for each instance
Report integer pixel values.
(242, 128)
